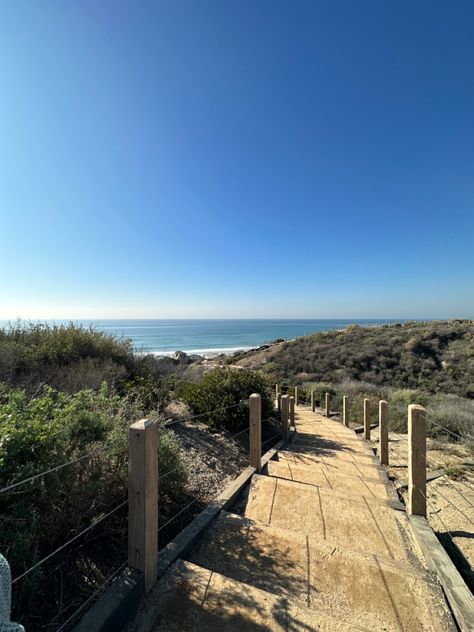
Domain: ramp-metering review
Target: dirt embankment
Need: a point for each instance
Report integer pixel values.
(213, 458)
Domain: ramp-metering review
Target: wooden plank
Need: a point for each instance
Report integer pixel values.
(366, 419)
(383, 432)
(143, 499)
(360, 429)
(345, 410)
(292, 412)
(327, 408)
(285, 416)
(457, 593)
(255, 412)
(430, 476)
(416, 460)
(184, 541)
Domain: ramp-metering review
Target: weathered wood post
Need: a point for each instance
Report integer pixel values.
(328, 404)
(383, 432)
(285, 410)
(313, 406)
(292, 412)
(296, 396)
(417, 460)
(279, 402)
(366, 419)
(345, 410)
(143, 499)
(255, 412)
(277, 390)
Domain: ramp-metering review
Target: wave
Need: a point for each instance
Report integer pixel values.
(203, 352)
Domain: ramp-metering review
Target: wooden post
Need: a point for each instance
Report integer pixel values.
(313, 406)
(296, 396)
(255, 408)
(417, 460)
(383, 432)
(143, 499)
(328, 405)
(277, 390)
(292, 412)
(285, 409)
(367, 419)
(279, 402)
(345, 410)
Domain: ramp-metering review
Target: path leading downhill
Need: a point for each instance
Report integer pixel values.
(323, 544)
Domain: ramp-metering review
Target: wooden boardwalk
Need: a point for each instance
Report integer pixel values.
(321, 542)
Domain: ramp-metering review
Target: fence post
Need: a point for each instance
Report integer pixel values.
(279, 402)
(285, 409)
(143, 499)
(255, 408)
(345, 410)
(328, 405)
(277, 390)
(292, 412)
(383, 432)
(312, 401)
(366, 419)
(296, 396)
(417, 460)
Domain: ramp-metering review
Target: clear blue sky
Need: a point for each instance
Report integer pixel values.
(253, 158)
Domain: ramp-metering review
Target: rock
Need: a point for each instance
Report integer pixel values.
(182, 357)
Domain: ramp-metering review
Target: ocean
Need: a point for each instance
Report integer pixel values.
(211, 337)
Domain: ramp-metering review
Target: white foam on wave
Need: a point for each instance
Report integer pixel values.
(207, 353)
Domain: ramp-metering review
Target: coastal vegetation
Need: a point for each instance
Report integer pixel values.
(68, 395)
(427, 363)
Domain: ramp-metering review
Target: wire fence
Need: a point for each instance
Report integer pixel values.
(101, 518)
(53, 469)
(91, 597)
(402, 461)
(70, 541)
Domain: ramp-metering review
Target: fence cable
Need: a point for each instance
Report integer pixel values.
(454, 434)
(272, 438)
(455, 506)
(63, 546)
(53, 469)
(209, 412)
(437, 514)
(91, 597)
(178, 513)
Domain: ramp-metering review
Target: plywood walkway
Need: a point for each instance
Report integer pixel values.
(322, 544)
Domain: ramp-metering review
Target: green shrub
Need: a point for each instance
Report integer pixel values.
(47, 431)
(68, 357)
(223, 394)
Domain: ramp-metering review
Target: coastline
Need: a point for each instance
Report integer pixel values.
(204, 353)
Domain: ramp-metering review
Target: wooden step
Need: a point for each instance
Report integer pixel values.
(190, 598)
(351, 467)
(356, 523)
(334, 452)
(369, 590)
(355, 485)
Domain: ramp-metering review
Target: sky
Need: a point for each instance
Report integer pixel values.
(236, 159)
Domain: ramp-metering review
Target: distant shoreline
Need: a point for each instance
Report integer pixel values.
(210, 338)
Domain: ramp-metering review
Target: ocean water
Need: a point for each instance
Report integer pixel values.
(210, 337)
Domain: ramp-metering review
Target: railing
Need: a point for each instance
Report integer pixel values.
(419, 504)
(144, 527)
(143, 531)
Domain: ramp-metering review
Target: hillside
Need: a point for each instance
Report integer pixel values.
(436, 357)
